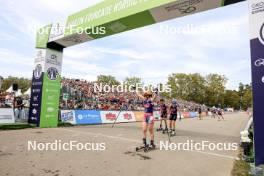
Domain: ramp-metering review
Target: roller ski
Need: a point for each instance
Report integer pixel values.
(142, 148)
(146, 147)
(166, 130)
(159, 129)
(172, 133)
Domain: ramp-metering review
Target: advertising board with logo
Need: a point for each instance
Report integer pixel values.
(6, 116)
(257, 66)
(157, 115)
(68, 116)
(87, 117)
(120, 117)
(194, 114)
(36, 88)
(45, 90)
(182, 8)
(51, 89)
(139, 115)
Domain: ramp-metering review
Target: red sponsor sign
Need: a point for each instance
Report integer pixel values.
(110, 116)
(127, 116)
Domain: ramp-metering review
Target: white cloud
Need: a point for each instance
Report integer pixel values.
(144, 52)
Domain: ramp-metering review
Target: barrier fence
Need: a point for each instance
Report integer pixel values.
(79, 117)
(11, 116)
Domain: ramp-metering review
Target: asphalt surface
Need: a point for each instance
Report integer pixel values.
(119, 157)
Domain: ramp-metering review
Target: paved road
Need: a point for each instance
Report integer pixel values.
(119, 157)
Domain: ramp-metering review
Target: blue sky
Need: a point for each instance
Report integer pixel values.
(222, 46)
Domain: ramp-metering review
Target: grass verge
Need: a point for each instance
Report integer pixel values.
(241, 167)
(16, 126)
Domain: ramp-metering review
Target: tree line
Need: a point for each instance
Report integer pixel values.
(209, 90)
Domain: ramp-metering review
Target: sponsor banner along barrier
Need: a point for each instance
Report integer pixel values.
(6, 116)
(78, 117)
(204, 114)
(186, 114)
(157, 115)
(124, 116)
(139, 116)
(68, 116)
(193, 114)
(87, 117)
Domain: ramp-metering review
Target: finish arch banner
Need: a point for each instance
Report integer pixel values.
(45, 90)
(257, 56)
(115, 16)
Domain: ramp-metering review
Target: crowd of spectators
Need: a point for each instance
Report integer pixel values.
(5, 100)
(81, 95)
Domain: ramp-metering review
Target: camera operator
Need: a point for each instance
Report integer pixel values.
(19, 105)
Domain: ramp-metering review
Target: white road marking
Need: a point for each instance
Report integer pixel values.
(218, 155)
(99, 134)
(137, 141)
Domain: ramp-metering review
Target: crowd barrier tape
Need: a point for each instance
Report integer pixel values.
(6, 116)
(78, 117)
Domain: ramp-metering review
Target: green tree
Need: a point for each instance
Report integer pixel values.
(107, 80)
(232, 99)
(215, 89)
(190, 87)
(23, 83)
(179, 84)
(196, 88)
(133, 81)
(247, 97)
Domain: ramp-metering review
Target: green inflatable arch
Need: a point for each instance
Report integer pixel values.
(115, 16)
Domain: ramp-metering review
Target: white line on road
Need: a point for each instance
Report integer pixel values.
(137, 141)
(218, 155)
(99, 134)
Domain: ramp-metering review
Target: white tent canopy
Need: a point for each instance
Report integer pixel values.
(18, 93)
(10, 89)
(28, 92)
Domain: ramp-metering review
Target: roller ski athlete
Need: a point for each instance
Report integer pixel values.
(173, 117)
(213, 112)
(163, 114)
(220, 115)
(200, 113)
(148, 121)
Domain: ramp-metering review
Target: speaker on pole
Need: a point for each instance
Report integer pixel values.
(15, 87)
(1, 81)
